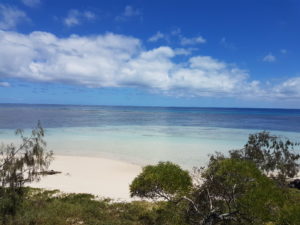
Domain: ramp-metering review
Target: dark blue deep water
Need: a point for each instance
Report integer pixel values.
(14, 116)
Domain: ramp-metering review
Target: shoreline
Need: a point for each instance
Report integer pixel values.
(102, 177)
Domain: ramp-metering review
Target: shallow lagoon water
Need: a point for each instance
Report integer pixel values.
(145, 135)
(187, 146)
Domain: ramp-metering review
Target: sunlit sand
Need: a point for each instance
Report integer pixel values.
(98, 176)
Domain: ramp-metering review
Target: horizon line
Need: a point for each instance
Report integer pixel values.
(145, 106)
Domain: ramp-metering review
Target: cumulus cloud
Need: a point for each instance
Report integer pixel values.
(156, 37)
(192, 41)
(269, 58)
(289, 88)
(31, 3)
(76, 17)
(10, 17)
(129, 12)
(4, 84)
(112, 60)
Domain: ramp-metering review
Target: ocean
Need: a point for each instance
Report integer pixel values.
(146, 135)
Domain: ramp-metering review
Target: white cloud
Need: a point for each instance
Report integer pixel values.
(4, 84)
(90, 61)
(204, 75)
(177, 35)
(289, 88)
(112, 60)
(76, 17)
(129, 12)
(269, 58)
(31, 3)
(10, 17)
(192, 41)
(156, 37)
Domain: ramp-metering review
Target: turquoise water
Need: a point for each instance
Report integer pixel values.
(145, 135)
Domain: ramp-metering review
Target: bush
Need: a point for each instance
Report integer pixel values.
(165, 180)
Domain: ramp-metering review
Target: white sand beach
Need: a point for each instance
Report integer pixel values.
(98, 176)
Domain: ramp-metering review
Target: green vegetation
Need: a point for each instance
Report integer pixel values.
(249, 186)
(274, 156)
(54, 208)
(164, 181)
(235, 192)
(19, 165)
(228, 191)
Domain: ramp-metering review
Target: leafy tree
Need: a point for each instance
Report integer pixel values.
(274, 156)
(165, 180)
(233, 191)
(20, 165)
(230, 190)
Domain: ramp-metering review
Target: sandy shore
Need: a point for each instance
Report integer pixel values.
(98, 176)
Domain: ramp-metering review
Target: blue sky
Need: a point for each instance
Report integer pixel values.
(159, 53)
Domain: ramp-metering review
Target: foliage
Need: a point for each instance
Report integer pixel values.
(230, 190)
(233, 192)
(19, 165)
(55, 208)
(273, 155)
(165, 180)
(290, 213)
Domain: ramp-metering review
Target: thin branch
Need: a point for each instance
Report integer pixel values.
(210, 202)
(19, 149)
